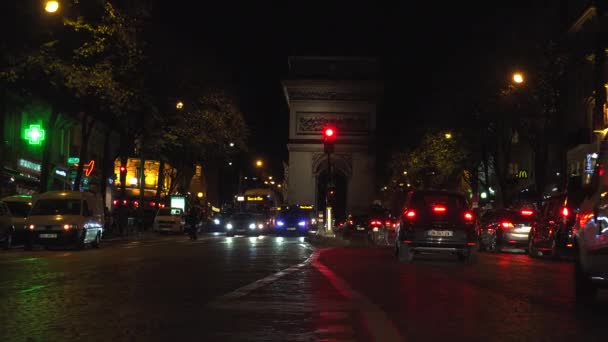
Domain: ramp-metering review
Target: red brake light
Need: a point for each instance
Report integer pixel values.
(468, 216)
(507, 224)
(410, 214)
(439, 209)
(375, 223)
(526, 212)
(115, 202)
(565, 212)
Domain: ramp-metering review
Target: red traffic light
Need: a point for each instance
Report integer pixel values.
(123, 169)
(329, 132)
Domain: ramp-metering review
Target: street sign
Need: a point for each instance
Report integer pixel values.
(73, 160)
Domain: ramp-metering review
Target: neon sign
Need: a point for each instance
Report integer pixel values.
(34, 135)
(88, 168)
(29, 165)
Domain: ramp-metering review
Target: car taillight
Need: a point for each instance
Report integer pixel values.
(388, 223)
(565, 212)
(439, 209)
(375, 223)
(468, 216)
(526, 212)
(507, 225)
(410, 214)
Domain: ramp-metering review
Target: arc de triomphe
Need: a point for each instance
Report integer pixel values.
(342, 92)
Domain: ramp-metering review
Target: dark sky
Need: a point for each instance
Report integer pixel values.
(436, 57)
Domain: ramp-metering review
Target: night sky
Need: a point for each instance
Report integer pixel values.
(437, 58)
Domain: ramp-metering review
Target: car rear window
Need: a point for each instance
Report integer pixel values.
(430, 199)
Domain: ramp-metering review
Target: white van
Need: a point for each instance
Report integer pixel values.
(65, 218)
(170, 220)
(591, 231)
(19, 207)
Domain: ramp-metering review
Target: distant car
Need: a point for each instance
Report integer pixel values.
(506, 228)
(436, 221)
(6, 227)
(552, 233)
(294, 221)
(170, 220)
(243, 223)
(359, 225)
(19, 207)
(66, 218)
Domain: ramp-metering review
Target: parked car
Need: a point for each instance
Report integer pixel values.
(436, 221)
(170, 220)
(552, 233)
(19, 207)
(65, 218)
(591, 231)
(7, 229)
(359, 225)
(505, 228)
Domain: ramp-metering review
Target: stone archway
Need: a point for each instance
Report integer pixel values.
(348, 104)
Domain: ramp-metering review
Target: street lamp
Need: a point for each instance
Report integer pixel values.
(51, 6)
(518, 77)
(448, 135)
(179, 105)
(231, 144)
(259, 163)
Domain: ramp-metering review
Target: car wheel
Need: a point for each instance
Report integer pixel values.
(404, 253)
(532, 251)
(97, 242)
(584, 288)
(8, 242)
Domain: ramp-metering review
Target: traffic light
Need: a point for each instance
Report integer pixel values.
(123, 169)
(331, 194)
(329, 137)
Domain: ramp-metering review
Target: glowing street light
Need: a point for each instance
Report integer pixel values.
(231, 144)
(518, 78)
(448, 135)
(51, 6)
(179, 105)
(405, 173)
(270, 177)
(259, 163)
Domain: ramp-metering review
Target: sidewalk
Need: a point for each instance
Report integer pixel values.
(145, 235)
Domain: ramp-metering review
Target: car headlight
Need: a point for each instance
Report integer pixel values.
(313, 221)
(229, 226)
(302, 223)
(252, 226)
(32, 227)
(216, 221)
(280, 223)
(260, 226)
(69, 226)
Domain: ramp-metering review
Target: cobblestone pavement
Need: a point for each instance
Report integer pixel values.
(282, 289)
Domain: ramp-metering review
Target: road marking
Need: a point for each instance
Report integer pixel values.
(306, 247)
(379, 325)
(32, 288)
(247, 289)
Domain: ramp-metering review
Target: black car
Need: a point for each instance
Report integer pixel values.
(357, 225)
(436, 221)
(506, 228)
(552, 233)
(244, 224)
(293, 221)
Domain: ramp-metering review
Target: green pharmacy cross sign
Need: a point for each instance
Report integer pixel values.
(35, 135)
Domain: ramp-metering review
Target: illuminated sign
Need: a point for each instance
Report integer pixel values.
(306, 207)
(178, 202)
(26, 164)
(88, 168)
(61, 172)
(215, 209)
(523, 174)
(73, 160)
(240, 198)
(254, 198)
(34, 135)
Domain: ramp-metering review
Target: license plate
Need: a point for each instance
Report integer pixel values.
(291, 228)
(440, 233)
(48, 236)
(360, 228)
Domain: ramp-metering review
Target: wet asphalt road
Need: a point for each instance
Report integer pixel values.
(272, 289)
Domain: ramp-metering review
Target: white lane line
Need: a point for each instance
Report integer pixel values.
(247, 289)
(306, 247)
(379, 325)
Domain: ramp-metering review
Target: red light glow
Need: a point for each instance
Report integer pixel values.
(410, 214)
(565, 212)
(468, 216)
(526, 212)
(329, 132)
(507, 224)
(439, 209)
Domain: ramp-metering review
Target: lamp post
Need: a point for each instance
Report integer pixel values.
(329, 138)
(51, 7)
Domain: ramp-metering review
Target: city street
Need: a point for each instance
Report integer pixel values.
(283, 289)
